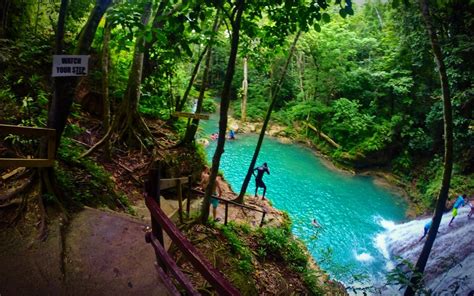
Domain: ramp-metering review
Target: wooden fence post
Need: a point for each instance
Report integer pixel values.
(180, 200)
(154, 192)
(226, 211)
(188, 201)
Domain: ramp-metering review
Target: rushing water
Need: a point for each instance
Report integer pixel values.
(352, 210)
(450, 268)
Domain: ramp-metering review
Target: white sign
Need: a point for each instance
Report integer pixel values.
(70, 65)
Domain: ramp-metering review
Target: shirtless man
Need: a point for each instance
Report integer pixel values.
(259, 178)
(217, 187)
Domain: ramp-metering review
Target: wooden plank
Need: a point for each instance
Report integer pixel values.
(173, 182)
(52, 146)
(167, 282)
(180, 201)
(191, 115)
(26, 130)
(210, 273)
(28, 163)
(171, 265)
(188, 201)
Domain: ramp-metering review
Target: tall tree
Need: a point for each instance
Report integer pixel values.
(64, 87)
(192, 128)
(127, 122)
(180, 102)
(274, 95)
(235, 20)
(417, 274)
(245, 87)
(105, 85)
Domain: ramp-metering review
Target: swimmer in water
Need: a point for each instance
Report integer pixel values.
(315, 223)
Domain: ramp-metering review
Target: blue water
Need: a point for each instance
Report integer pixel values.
(351, 209)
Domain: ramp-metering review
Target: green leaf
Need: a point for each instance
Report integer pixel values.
(395, 3)
(148, 36)
(317, 27)
(326, 18)
(342, 12)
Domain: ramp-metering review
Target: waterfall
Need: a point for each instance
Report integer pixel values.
(450, 267)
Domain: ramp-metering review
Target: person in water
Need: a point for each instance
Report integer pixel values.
(315, 223)
(460, 202)
(231, 135)
(259, 178)
(214, 136)
(217, 190)
(426, 229)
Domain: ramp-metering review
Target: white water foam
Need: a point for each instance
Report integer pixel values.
(364, 257)
(386, 224)
(450, 268)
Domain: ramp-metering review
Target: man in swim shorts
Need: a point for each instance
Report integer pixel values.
(460, 202)
(259, 178)
(217, 187)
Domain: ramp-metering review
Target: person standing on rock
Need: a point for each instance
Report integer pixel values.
(259, 178)
(426, 229)
(217, 190)
(460, 202)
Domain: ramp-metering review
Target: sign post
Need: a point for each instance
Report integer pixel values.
(70, 65)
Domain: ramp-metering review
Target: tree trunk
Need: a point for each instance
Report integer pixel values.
(65, 86)
(127, 116)
(192, 128)
(5, 6)
(245, 184)
(300, 66)
(180, 103)
(225, 100)
(128, 123)
(416, 277)
(105, 86)
(245, 85)
(64, 89)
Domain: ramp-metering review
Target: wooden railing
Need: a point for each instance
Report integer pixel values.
(34, 132)
(227, 202)
(177, 183)
(166, 265)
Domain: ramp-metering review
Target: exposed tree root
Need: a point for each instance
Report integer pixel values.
(19, 211)
(43, 228)
(10, 204)
(129, 128)
(24, 187)
(47, 178)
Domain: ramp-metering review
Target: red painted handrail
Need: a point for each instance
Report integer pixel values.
(210, 273)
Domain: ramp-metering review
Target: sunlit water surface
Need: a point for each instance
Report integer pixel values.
(352, 210)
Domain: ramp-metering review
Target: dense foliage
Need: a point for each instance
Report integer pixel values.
(369, 82)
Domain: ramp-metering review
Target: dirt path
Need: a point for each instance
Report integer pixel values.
(100, 253)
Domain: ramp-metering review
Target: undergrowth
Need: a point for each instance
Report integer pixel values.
(275, 244)
(86, 182)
